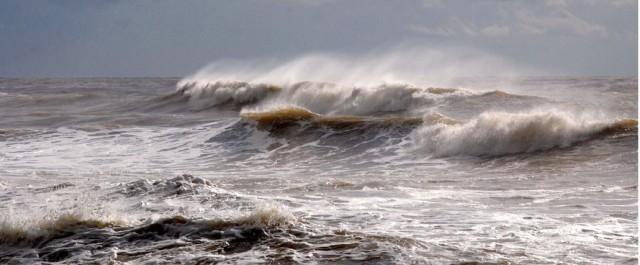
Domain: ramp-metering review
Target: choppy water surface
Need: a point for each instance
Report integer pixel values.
(166, 171)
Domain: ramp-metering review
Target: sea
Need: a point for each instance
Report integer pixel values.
(526, 170)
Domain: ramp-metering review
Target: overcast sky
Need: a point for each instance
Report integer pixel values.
(176, 38)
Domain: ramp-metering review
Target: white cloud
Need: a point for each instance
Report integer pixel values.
(556, 3)
(454, 27)
(566, 3)
(305, 2)
(622, 3)
(496, 31)
(458, 27)
(436, 31)
(432, 3)
(561, 20)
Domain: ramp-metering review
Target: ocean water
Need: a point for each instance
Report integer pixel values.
(198, 171)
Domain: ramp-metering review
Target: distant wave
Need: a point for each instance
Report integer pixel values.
(501, 133)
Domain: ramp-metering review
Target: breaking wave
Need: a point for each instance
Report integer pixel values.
(501, 133)
(96, 239)
(183, 184)
(264, 235)
(319, 97)
(491, 133)
(218, 93)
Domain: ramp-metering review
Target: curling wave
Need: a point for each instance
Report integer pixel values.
(501, 133)
(288, 115)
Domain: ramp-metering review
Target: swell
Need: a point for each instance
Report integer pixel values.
(487, 134)
(525, 125)
(291, 115)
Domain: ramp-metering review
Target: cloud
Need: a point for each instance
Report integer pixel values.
(461, 28)
(305, 2)
(567, 3)
(560, 20)
(432, 3)
(435, 31)
(622, 3)
(556, 3)
(496, 31)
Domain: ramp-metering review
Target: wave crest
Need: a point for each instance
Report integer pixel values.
(319, 97)
(19, 234)
(205, 95)
(267, 236)
(501, 133)
(24, 234)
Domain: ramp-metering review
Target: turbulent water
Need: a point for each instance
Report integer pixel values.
(198, 171)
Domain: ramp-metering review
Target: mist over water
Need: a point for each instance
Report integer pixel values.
(413, 64)
(326, 158)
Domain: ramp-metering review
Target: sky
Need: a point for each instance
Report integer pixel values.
(112, 38)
